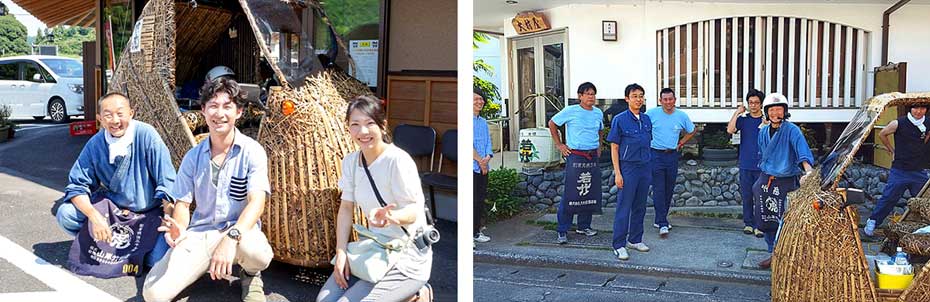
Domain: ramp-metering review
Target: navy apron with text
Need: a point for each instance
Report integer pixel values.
(133, 236)
(582, 193)
(769, 206)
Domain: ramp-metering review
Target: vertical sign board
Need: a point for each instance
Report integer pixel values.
(365, 54)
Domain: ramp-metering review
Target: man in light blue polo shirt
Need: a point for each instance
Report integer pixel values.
(227, 176)
(667, 126)
(582, 193)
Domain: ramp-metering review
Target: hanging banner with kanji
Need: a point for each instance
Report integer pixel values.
(582, 184)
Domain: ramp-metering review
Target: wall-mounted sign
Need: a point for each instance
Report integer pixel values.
(530, 22)
(609, 30)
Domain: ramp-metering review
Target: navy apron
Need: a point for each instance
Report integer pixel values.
(769, 206)
(133, 236)
(582, 193)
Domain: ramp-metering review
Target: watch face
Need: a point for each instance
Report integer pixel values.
(234, 233)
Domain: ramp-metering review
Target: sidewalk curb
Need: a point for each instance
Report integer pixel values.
(615, 266)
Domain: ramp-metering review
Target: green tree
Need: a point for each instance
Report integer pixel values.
(347, 15)
(492, 105)
(69, 39)
(12, 37)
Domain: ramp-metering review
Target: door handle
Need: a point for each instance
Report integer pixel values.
(13, 86)
(22, 86)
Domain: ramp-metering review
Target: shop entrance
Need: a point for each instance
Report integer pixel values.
(538, 67)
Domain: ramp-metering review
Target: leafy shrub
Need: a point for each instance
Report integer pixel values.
(717, 140)
(501, 202)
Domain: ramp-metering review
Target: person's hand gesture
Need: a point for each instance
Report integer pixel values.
(740, 109)
(618, 180)
(382, 217)
(563, 148)
(100, 228)
(173, 233)
(341, 270)
(222, 261)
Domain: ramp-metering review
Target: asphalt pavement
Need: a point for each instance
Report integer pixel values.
(33, 250)
(496, 282)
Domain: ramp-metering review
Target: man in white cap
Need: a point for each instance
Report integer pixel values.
(784, 151)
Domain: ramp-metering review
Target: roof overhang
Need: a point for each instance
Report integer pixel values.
(62, 12)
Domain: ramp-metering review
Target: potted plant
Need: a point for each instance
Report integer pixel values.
(717, 149)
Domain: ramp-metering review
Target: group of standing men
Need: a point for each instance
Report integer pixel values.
(645, 148)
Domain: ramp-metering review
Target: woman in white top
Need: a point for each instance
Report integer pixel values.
(398, 182)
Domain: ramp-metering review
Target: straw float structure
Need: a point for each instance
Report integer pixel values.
(819, 255)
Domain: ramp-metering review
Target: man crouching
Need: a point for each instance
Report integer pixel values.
(112, 203)
(227, 175)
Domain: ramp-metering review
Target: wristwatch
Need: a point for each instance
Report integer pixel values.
(234, 234)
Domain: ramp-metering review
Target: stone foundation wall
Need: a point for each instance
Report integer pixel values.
(695, 186)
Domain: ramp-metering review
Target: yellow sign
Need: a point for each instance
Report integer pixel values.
(530, 22)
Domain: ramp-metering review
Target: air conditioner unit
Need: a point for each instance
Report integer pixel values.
(536, 148)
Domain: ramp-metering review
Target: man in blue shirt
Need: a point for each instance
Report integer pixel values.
(667, 125)
(784, 150)
(630, 137)
(227, 175)
(748, 127)
(582, 193)
(481, 156)
(911, 151)
(127, 163)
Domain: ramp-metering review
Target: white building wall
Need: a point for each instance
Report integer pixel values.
(611, 65)
(909, 41)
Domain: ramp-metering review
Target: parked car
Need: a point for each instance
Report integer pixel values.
(40, 86)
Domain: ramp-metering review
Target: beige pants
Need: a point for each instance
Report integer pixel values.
(190, 259)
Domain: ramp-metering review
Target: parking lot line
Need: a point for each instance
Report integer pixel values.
(64, 283)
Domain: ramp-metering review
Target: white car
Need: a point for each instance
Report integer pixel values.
(40, 86)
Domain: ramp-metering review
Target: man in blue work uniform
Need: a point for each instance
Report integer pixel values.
(667, 125)
(783, 149)
(748, 126)
(629, 137)
(911, 160)
(582, 194)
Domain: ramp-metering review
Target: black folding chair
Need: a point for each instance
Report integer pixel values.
(418, 141)
(439, 180)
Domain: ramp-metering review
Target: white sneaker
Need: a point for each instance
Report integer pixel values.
(481, 237)
(587, 232)
(869, 227)
(656, 225)
(638, 246)
(663, 232)
(622, 254)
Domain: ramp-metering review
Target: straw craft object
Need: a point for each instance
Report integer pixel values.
(305, 151)
(819, 255)
(147, 77)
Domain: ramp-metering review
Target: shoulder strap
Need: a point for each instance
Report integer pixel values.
(375, 187)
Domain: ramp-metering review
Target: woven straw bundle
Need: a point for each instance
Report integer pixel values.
(919, 209)
(818, 256)
(915, 244)
(305, 151)
(147, 77)
(895, 231)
